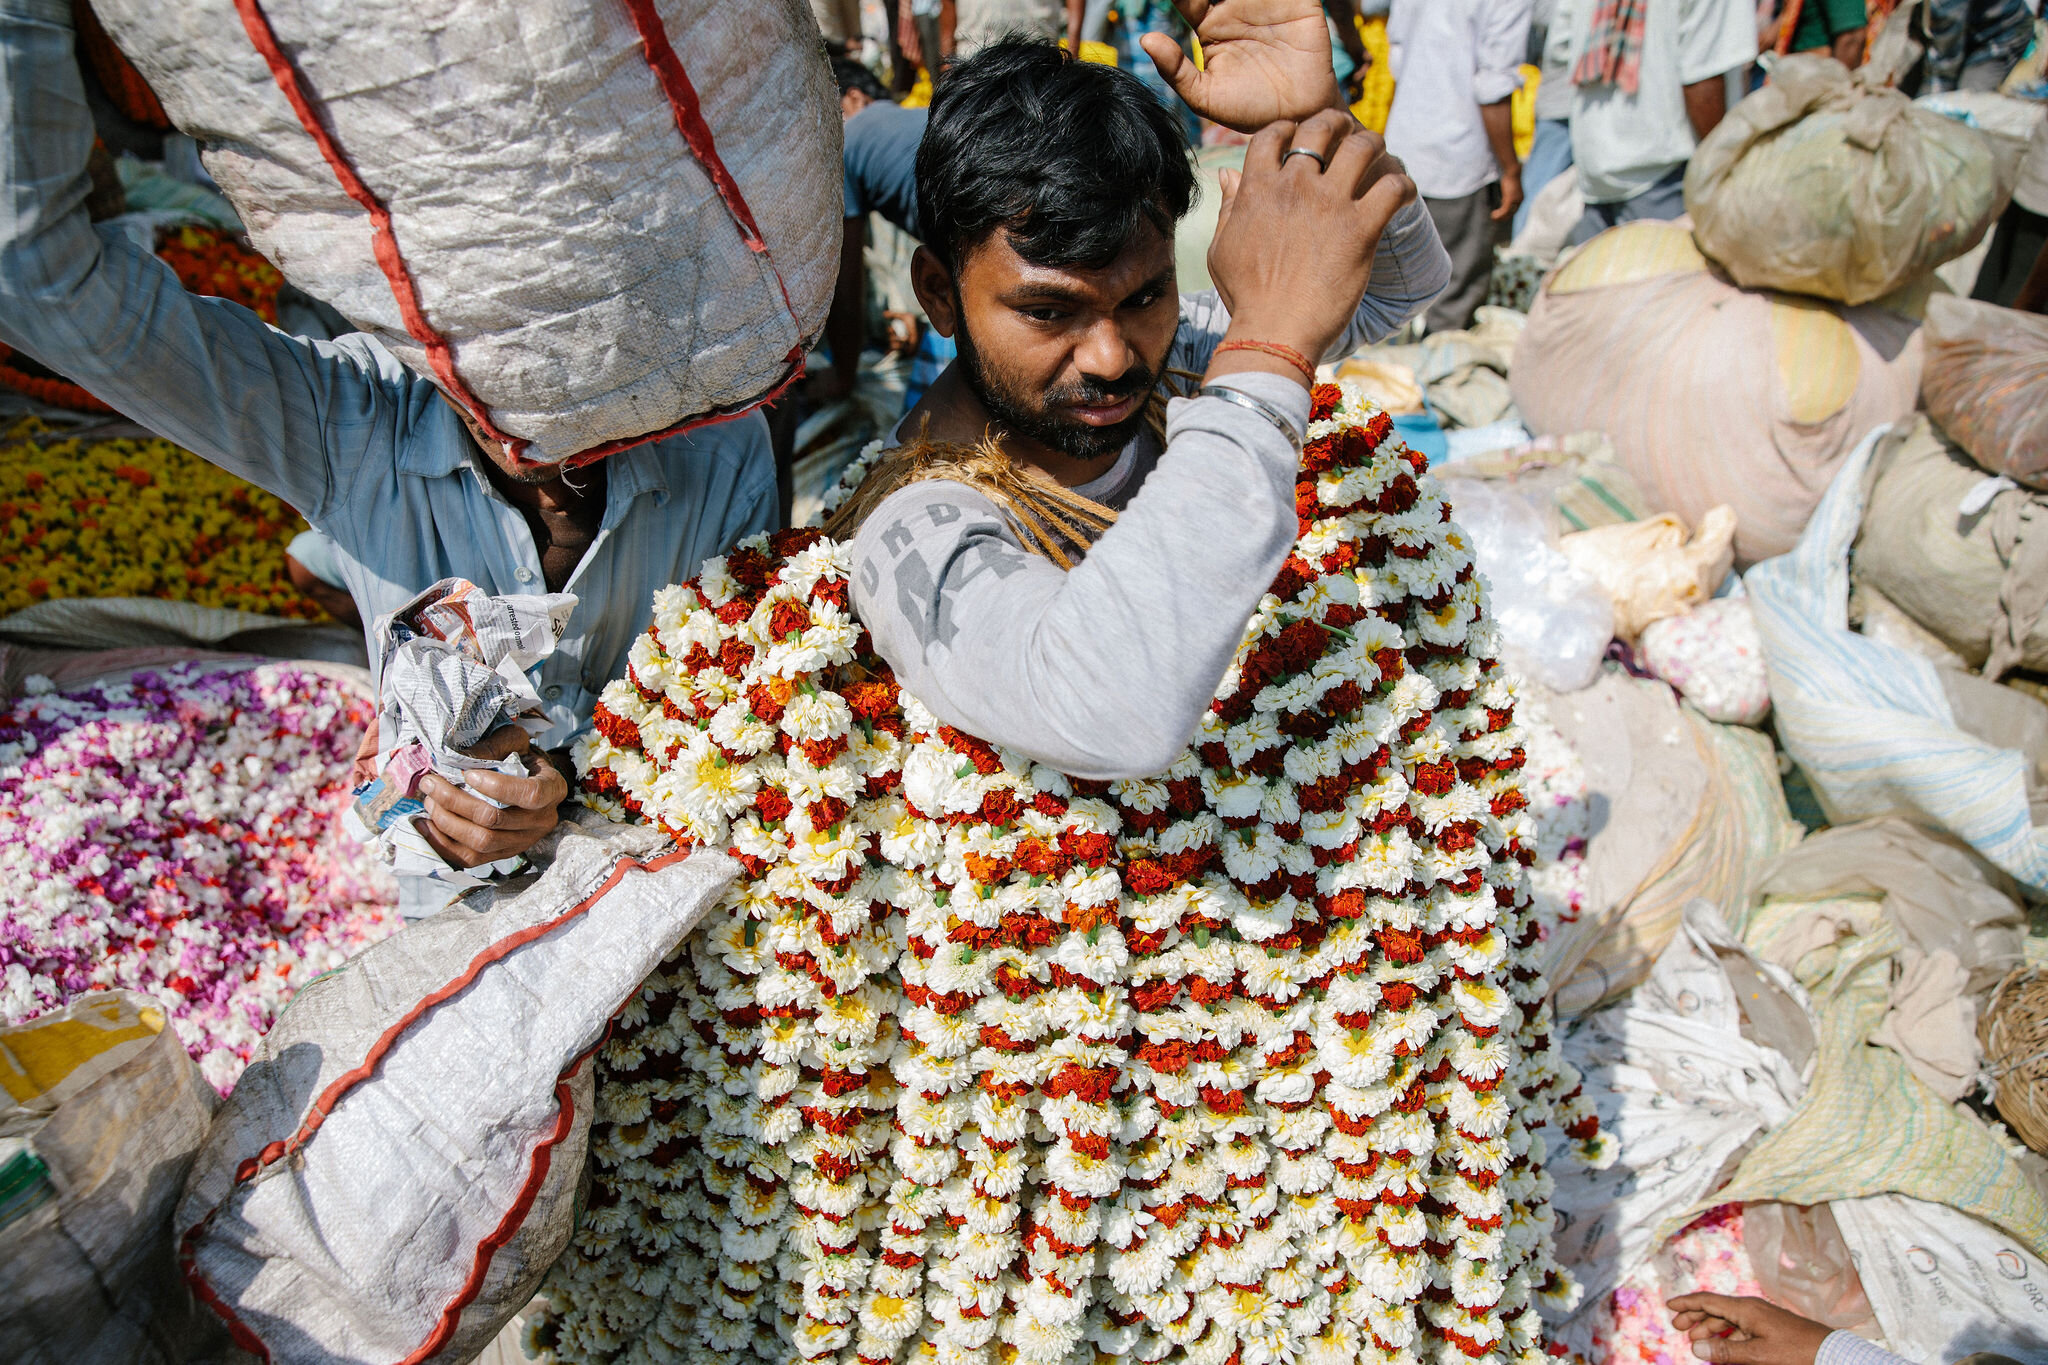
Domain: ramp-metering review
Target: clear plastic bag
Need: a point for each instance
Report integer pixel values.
(1555, 621)
(1803, 1263)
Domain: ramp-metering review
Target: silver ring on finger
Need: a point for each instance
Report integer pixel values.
(1316, 157)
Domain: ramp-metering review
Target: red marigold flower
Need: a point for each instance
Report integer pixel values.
(834, 592)
(1154, 995)
(621, 732)
(821, 752)
(1323, 401)
(1435, 779)
(872, 700)
(1404, 946)
(978, 752)
(1092, 850)
(1223, 1101)
(1169, 1058)
(750, 568)
(788, 618)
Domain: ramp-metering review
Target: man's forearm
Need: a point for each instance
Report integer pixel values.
(1409, 269)
(1706, 103)
(1500, 135)
(846, 325)
(2033, 295)
(203, 372)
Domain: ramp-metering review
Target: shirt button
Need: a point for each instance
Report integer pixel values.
(554, 692)
(523, 574)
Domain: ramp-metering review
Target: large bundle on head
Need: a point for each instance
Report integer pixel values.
(588, 223)
(1245, 1061)
(1711, 394)
(1824, 183)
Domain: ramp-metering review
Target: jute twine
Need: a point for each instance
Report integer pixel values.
(2014, 1031)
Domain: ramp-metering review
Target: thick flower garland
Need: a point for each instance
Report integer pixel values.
(1236, 1065)
(175, 834)
(137, 518)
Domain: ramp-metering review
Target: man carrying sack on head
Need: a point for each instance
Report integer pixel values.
(1048, 190)
(407, 489)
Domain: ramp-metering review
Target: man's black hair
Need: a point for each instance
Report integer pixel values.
(1070, 157)
(851, 75)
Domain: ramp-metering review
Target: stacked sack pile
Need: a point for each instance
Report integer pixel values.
(1793, 946)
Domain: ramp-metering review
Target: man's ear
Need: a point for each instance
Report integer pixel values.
(934, 286)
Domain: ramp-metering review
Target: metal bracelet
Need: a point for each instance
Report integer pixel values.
(1264, 409)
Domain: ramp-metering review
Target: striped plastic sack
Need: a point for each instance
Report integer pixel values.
(589, 224)
(399, 1165)
(1870, 724)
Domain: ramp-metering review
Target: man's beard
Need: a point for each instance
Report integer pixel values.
(1036, 417)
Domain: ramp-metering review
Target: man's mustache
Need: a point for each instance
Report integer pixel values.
(1101, 393)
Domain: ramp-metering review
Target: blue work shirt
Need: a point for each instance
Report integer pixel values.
(881, 163)
(364, 448)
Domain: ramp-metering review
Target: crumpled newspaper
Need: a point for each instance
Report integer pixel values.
(453, 670)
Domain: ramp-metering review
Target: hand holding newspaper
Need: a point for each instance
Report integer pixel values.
(452, 670)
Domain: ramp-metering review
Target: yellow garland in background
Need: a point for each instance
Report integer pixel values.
(1378, 99)
(137, 518)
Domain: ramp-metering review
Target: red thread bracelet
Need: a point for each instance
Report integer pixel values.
(1277, 351)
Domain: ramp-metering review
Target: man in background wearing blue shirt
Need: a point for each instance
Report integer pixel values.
(367, 450)
(881, 177)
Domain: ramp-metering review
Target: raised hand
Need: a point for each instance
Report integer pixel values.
(1263, 60)
(1295, 239)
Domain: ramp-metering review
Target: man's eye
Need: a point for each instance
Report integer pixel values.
(1144, 300)
(1043, 314)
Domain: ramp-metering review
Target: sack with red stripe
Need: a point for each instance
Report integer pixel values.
(399, 1165)
(589, 223)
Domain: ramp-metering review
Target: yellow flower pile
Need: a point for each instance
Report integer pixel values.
(137, 518)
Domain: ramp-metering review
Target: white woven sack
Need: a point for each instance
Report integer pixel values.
(398, 1167)
(564, 239)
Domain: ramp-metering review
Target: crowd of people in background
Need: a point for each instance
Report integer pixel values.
(1626, 91)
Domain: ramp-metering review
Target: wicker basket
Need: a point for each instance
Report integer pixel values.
(2014, 1031)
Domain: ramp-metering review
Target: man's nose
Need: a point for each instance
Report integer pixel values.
(1104, 353)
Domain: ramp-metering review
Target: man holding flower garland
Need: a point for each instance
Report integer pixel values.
(1048, 191)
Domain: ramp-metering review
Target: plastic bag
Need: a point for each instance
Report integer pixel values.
(1651, 568)
(399, 1166)
(1965, 557)
(1803, 1263)
(1986, 383)
(1555, 620)
(1822, 183)
(1714, 657)
(101, 1112)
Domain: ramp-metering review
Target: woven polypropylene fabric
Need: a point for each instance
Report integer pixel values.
(362, 1239)
(1871, 724)
(564, 239)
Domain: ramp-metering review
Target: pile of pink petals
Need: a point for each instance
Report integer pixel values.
(175, 834)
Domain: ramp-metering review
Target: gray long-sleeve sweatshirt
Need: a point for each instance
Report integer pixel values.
(1104, 672)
